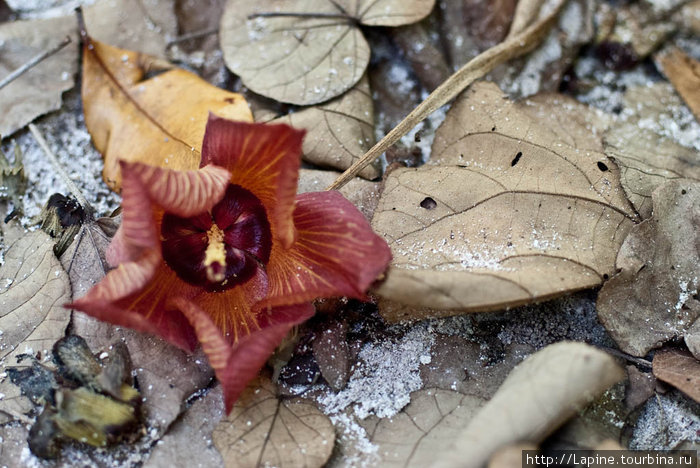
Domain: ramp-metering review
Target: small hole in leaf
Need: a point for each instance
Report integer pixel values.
(684, 191)
(606, 276)
(516, 158)
(428, 203)
(493, 129)
(602, 166)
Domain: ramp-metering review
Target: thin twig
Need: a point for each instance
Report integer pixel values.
(193, 35)
(474, 69)
(87, 207)
(17, 416)
(33, 62)
(639, 361)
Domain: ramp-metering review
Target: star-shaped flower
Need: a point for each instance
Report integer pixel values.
(228, 255)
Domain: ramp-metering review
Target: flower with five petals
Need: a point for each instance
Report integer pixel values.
(229, 255)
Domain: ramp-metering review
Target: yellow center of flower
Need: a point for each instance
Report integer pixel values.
(215, 255)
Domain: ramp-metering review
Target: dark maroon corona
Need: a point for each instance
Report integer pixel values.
(219, 249)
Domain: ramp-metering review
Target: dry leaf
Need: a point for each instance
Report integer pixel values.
(39, 90)
(543, 68)
(166, 375)
(510, 456)
(332, 354)
(684, 73)
(640, 387)
(163, 117)
(139, 25)
(361, 193)
(423, 53)
(14, 444)
(680, 370)
(654, 298)
(692, 339)
(513, 209)
(188, 441)
(262, 431)
(340, 131)
(422, 429)
(33, 289)
(541, 393)
(641, 145)
(311, 57)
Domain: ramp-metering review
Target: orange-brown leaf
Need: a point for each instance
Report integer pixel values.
(158, 120)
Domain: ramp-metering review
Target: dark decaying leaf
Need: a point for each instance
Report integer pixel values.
(525, 209)
(33, 289)
(654, 297)
(263, 430)
(312, 56)
(680, 370)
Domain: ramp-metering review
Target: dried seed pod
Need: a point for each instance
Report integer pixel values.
(76, 361)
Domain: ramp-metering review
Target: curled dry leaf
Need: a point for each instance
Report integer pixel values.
(33, 289)
(39, 90)
(264, 431)
(513, 209)
(654, 298)
(340, 131)
(163, 116)
(139, 25)
(422, 429)
(313, 55)
(680, 370)
(684, 73)
(539, 395)
(647, 155)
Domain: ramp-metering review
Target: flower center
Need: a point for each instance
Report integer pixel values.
(221, 248)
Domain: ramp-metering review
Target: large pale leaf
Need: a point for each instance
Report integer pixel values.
(265, 431)
(644, 147)
(514, 208)
(39, 90)
(312, 56)
(158, 121)
(654, 298)
(33, 289)
(539, 394)
(340, 131)
(423, 429)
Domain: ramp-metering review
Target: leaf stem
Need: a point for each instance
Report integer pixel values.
(87, 207)
(193, 35)
(476, 68)
(34, 62)
(293, 14)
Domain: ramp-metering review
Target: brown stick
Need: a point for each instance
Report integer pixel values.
(476, 68)
(33, 62)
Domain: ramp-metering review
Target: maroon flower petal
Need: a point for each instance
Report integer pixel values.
(237, 365)
(135, 295)
(182, 193)
(262, 158)
(335, 254)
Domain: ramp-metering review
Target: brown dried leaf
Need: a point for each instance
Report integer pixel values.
(640, 387)
(513, 209)
(654, 298)
(422, 429)
(540, 394)
(33, 289)
(188, 441)
(680, 370)
(684, 73)
(340, 131)
(39, 90)
(307, 59)
(262, 430)
(163, 116)
(332, 354)
(646, 154)
(133, 24)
